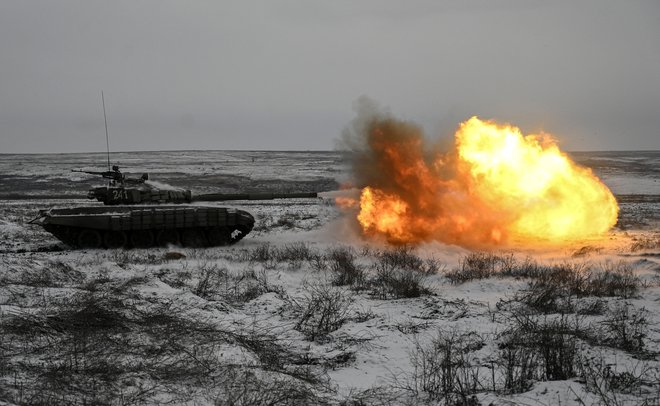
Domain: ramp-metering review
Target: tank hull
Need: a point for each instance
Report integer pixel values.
(146, 226)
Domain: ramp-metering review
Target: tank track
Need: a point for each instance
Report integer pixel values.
(194, 237)
(146, 226)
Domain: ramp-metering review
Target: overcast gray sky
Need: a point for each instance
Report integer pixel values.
(283, 74)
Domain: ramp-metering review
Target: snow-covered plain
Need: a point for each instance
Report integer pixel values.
(305, 310)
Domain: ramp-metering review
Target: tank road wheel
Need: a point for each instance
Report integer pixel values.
(89, 239)
(114, 239)
(142, 239)
(167, 237)
(218, 236)
(193, 237)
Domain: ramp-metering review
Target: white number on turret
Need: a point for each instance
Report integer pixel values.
(119, 194)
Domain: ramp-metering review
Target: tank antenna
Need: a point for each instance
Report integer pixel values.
(105, 120)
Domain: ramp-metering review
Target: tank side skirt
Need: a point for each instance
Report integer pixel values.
(207, 224)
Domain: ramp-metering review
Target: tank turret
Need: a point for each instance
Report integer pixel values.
(143, 194)
(123, 190)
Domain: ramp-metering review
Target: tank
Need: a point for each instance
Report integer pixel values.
(145, 216)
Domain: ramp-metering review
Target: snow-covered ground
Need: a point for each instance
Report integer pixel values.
(304, 310)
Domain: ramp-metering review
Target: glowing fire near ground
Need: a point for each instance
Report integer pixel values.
(495, 186)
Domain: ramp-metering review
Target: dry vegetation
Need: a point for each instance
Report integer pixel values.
(221, 327)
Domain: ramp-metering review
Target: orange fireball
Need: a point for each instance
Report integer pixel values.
(496, 186)
(552, 197)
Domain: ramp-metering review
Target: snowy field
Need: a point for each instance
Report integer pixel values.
(305, 310)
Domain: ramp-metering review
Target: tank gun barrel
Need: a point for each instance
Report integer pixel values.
(221, 197)
(114, 175)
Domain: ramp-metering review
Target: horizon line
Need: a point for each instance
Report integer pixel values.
(270, 150)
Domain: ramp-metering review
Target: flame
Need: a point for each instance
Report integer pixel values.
(495, 186)
(345, 202)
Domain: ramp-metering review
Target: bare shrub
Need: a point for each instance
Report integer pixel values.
(554, 290)
(249, 285)
(322, 310)
(402, 257)
(89, 312)
(586, 251)
(609, 383)
(287, 221)
(210, 282)
(526, 268)
(124, 258)
(398, 283)
(433, 266)
(445, 369)
(318, 262)
(591, 307)
(399, 274)
(609, 279)
(175, 278)
(264, 222)
(244, 387)
(518, 365)
(53, 274)
(367, 251)
(615, 279)
(557, 287)
(650, 242)
(374, 396)
(294, 254)
(345, 270)
(217, 283)
(411, 327)
(298, 251)
(534, 348)
(625, 327)
(98, 284)
(263, 253)
(572, 277)
(476, 265)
